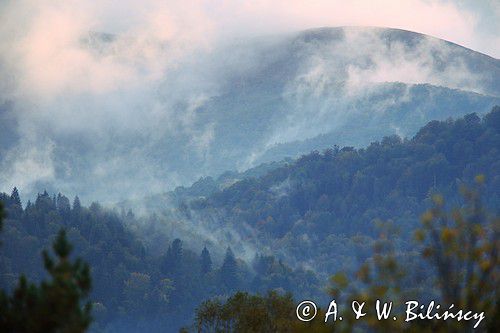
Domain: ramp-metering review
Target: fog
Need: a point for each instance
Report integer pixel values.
(122, 101)
(119, 100)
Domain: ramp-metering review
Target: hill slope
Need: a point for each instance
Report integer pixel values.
(240, 104)
(323, 203)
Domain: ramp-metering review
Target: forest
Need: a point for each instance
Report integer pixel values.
(132, 289)
(308, 219)
(325, 205)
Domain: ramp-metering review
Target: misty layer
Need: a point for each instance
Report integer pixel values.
(148, 114)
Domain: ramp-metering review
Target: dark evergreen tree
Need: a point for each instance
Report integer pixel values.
(177, 249)
(229, 271)
(177, 254)
(173, 259)
(54, 305)
(14, 197)
(168, 261)
(205, 261)
(44, 202)
(2, 215)
(63, 206)
(15, 207)
(77, 206)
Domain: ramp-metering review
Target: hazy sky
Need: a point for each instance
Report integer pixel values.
(472, 23)
(63, 87)
(39, 39)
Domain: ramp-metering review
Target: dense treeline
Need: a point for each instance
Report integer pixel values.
(315, 212)
(460, 252)
(57, 304)
(325, 203)
(132, 288)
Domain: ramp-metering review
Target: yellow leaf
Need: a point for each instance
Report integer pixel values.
(480, 179)
(447, 235)
(420, 235)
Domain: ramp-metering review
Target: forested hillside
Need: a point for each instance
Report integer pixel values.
(297, 222)
(326, 203)
(133, 287)
(454, 261)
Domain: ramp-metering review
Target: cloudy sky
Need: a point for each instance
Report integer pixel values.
(468, 22)
(59, 85)
(39, 38)
(471, 23)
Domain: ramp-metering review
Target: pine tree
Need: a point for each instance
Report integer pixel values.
(14, 197)
(206, 261)
(173, 259)
(44, 202)
(1, 215)
(55, 305)
(229, 271)
(77, 206)
(177, 254)
(177, 249)
(63, 205)
(15, 207)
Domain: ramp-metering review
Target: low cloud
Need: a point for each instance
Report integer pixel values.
(118, 88)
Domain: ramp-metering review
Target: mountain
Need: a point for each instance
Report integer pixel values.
(237, 105)
(151, 283)
(327, 203)
(345, 86)
(289, 225)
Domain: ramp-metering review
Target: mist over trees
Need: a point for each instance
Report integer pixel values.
(199, 166)
(326, 203)
(56, 305)
(460, 252)
(312, 217)
(132, 288)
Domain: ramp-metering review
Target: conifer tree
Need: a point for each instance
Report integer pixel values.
(77, 206)
(173, 258)
(177, 249)
(1, 215)
(176, 257)
(206, 261)
(54, 305)
(16, 200)
(15, 208)
(63, 205)
(229, 271)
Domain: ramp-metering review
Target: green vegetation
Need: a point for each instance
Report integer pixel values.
(324, 205)
(307, 219)
(54, 305)
(461, 247)
(244, 313)
(135, 287)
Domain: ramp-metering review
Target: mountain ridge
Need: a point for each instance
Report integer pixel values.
(228, 109)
